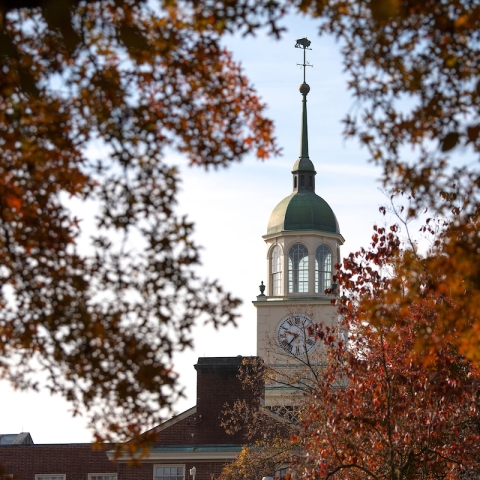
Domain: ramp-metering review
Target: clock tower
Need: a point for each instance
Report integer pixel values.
(303, 244)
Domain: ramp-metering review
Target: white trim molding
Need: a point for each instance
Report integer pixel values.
(219, 456)
(184, 454)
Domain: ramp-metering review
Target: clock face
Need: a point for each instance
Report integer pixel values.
(296, 334)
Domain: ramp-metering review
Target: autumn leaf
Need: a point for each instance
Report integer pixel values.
(113, 317)
(450, 141)
(384, 9)
(473, 133)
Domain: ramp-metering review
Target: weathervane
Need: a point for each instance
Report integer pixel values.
(304, 43)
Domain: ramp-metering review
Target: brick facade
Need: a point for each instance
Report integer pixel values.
(217, 385)
(77, 461)
(205, 470)
(179, 433)
(194, 438)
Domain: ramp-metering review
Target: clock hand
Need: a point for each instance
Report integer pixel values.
(295, 335)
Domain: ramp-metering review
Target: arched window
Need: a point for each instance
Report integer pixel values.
(298, 269)
(323, 268)
(310, 181)
(302, 180)
(276, 271)
(294, 182)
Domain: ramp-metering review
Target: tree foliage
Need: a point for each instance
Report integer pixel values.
(414, 68)
(379, 412)
(375, 406)
(100, 317)
(137, 79)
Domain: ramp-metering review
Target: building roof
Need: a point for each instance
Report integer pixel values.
(303, 210)
(23, 438)
(303, 164)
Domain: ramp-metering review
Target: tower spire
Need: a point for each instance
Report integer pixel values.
(303, 169)
(304, 43)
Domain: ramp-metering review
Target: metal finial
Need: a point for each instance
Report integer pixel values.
(305, 44)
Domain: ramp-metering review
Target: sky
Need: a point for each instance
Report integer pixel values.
(231, 207)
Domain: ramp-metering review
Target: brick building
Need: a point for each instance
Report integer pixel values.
(192, 439)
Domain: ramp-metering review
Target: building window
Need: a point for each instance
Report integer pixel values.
(281, 473)
(298, 269)
(294, 182)
(276, 271)
(50, 476)
(169, 472)
(310, 181)
(302, 180)
(323, 268)
(102, 476)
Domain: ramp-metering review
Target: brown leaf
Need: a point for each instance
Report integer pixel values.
(450, 141)
(473, 133)
(384, 9)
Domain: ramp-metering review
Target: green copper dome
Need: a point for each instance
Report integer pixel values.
(303, 210)
(303, 164)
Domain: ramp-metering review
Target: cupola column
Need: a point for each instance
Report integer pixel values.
(285, 271)
(311, 272)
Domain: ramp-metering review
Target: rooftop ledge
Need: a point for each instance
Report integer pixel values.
(294, 299)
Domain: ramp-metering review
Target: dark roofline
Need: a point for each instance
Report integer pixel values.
(106, 445)
(220, 364)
